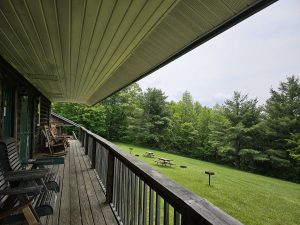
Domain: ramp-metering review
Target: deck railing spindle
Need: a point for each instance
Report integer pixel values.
(151, 207)
(166, 213)
(110, 177)
(157, 210)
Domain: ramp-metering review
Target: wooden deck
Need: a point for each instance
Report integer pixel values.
(81, 200)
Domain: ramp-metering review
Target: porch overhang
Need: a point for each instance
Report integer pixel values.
(84, 51)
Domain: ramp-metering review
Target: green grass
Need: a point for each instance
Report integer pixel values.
(251, 198)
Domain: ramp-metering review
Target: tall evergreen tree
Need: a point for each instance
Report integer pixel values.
(155, 118)
(283, 112)
(242, 114)
(283, 121)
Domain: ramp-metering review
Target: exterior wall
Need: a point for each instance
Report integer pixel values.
(1, 110)
(42, 118)
(17, 117)
(37, 116)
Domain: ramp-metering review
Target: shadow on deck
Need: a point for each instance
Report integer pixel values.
(81, 200)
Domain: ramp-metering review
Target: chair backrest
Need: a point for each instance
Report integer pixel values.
(3, 183)
(48, 132)
(53, 131)
(9, 155)
(46, 135)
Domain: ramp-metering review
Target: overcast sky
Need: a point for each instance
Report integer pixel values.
(251, 57)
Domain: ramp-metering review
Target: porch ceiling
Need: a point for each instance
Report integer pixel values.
(85, 50)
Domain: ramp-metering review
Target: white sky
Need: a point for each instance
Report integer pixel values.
(251, 57)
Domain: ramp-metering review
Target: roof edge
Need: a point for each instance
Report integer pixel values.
(218, 30)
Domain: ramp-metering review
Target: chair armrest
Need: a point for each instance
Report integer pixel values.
(59, 137)
(22, 190)
(63, 137)
(52, 160)
(15, 209)
(40, 161)
(26, 174)
(31, 161)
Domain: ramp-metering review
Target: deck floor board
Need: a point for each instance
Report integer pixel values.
(94, 203)
(81, 200)
(74, 200)
(64, 214)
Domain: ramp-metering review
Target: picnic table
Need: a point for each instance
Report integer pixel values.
(149, 154)
(164, 162)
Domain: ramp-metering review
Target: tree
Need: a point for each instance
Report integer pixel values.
(242, 114)
(217, 135)
(183, 134)
(283, 121)
(123, 113)
(134, 112)
(283, 113)
(264, 140)
(155, 118)
(93, 117)
(294, 150)
(204, 117)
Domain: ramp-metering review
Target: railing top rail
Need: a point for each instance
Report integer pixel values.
(185, 201)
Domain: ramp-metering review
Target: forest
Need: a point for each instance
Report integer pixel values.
(263, 139)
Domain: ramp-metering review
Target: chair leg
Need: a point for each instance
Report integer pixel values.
(50, 149)
(30, 215)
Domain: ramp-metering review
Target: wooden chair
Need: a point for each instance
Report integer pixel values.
(13, 168)
(24, 203)
(55, 148)
(52, 133)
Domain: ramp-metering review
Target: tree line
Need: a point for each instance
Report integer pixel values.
(240, 133)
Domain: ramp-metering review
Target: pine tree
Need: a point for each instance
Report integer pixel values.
(242, 114)
(155, 118)
(283, 121)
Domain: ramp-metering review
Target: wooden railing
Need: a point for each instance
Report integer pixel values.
(138, 194)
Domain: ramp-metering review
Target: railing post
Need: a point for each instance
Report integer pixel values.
(93, 159)
(110, 177)
(82, 137)
(86, 144)
(79, 135)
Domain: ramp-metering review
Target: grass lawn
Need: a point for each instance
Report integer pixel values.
(251, 198)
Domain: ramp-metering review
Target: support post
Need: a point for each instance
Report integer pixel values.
(82, 137)
(86, 144)
(110, 177)
(93, 159)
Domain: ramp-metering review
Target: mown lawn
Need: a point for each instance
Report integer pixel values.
(251, 198)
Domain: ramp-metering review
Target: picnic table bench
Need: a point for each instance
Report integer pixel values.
(164, 162)
(149, 154)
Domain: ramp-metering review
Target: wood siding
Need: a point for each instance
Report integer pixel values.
(10, 78)
(1, 108)
(45, 108)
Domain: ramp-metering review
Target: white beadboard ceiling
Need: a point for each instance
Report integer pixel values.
(85, 50)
